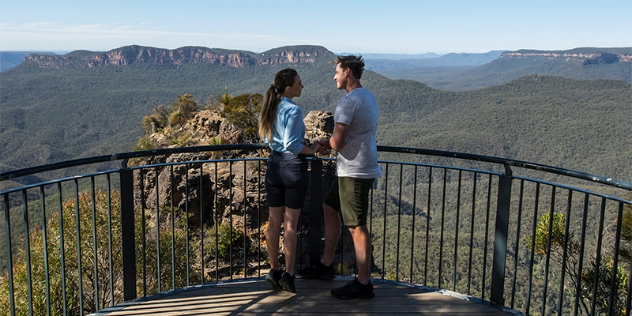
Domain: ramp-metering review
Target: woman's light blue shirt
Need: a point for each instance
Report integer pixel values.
(289, 128)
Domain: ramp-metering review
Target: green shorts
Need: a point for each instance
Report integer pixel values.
(350, 196)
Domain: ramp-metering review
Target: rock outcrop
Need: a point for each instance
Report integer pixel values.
(586, 58)
(216, 192)
(319, 125)
(185, 55)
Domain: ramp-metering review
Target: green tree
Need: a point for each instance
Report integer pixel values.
(604, 276)
(72, 214)
(625, 250)
(226, 238)
(556, 237)
(182, 109)
(109, 291)
(157, 120)
(172, 268)
(223, 99)
(242, 111)
(604, 284)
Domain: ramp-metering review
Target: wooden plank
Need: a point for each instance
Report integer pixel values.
(312, 298)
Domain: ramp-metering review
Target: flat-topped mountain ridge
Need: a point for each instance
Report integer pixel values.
(185, 55)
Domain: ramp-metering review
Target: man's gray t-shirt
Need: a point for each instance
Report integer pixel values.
(358, 158)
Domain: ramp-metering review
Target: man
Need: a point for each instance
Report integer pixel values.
(356, 119)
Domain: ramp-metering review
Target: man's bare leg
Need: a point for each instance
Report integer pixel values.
(332, 233)
(362, 246)
(361, 287)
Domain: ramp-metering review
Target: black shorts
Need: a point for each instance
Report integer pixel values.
(286, 180)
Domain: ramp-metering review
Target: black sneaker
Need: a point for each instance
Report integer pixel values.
(354, 289)
(287, 283)
(273, 277)
(318, 270)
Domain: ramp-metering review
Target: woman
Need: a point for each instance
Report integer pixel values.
(281, 126)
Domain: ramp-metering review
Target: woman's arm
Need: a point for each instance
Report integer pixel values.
(310, 149)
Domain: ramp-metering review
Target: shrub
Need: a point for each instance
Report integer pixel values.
(185, 106)
(181, 141)
(145, 143)
(242, 111)
(82, 214)
(214, 141)
(157, 120)
(72, 215)
(220, 241)
(168, 263)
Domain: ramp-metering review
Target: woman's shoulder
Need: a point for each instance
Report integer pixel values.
(287, 101)
(288, 106)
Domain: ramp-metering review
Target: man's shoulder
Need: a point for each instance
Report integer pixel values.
(362, 93)
(358, 95)
(359, 91)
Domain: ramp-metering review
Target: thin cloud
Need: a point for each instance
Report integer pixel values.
(54, 30)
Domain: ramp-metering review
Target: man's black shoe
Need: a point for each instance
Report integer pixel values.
(273, 277)
(317, 270)
(354, 289)
(287, 283)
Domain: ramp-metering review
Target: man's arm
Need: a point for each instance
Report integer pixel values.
(339, 136)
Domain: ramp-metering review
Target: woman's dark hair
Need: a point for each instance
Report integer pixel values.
(283, 79)
(356, 64)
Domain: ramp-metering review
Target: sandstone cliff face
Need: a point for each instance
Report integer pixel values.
(287, 56)
(185, 55)
(591, 58)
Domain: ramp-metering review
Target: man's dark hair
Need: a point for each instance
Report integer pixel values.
(356, 64)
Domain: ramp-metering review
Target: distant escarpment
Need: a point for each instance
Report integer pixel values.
(586, 55)
(185, 55)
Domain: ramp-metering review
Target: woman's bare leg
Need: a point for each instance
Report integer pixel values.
(272, 235)
(290, 223)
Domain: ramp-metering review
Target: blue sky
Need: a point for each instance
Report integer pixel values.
(353, 26)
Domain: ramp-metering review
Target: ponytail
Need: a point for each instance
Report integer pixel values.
(282, 79)
(268, 113)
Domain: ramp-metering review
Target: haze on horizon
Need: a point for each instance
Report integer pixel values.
(356, 26)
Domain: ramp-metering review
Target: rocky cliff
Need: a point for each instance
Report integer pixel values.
(186, 55)
(213, 194)
(200, 130)
(587, 57)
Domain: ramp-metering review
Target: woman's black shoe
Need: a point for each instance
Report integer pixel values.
(287, 283)
(273, 277)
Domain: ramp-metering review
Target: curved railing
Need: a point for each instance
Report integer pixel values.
(448, 220)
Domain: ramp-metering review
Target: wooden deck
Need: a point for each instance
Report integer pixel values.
(256, 297)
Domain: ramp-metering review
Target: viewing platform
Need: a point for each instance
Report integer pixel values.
(256, 297)
(183, 233)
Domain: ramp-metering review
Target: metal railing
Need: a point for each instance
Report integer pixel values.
(554, 246)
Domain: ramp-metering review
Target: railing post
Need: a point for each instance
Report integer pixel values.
(500, 238)
(127, 233)
(315, 209)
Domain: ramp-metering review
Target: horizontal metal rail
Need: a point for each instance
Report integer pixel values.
(420, 151)
(7, 175)
(510, 162)
(177, 224)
